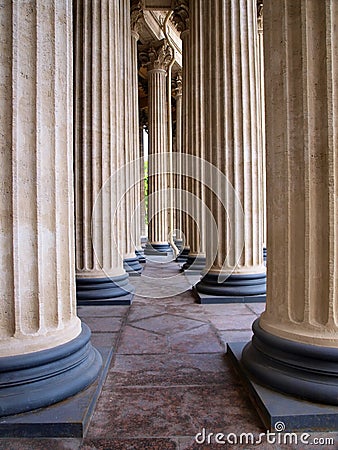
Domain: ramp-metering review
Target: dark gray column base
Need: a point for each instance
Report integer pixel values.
(154, 249)
(104, 291)
(235, 285)
(205, 299)
(39, 379)
(274, 407)
(303, 370)
(183, 255)
(140, 255)
(69, 418)
(179, 243)
(194, 263)
(132, 266)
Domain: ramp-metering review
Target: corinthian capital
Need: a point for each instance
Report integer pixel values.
(177, 85)
(181, 15)
(136, 13)
(260, 15)
(157, 57)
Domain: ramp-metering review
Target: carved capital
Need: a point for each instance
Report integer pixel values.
(180, 15)
(157, 57)
(136, 14)
(177, 85)
(260, 15)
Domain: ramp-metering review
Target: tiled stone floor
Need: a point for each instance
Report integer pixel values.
(169, 377)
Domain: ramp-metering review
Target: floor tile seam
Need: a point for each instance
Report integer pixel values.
(235, 329)
(248, 306)
(147, 387)
(230, 315)
(132, 438)
(115, 346)
(108, 316)
(187, 317)
(190, 329)
(167, 334)
(148, 317)
(171, 353)
(220, 341)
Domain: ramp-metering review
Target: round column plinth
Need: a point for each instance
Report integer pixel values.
(195, 263)
(179, 244)
(234, 285)
(114, 290)
(158, 248)
(132, 266)
(304, 370)
(39, 379)
(183, 255)
(140, 255)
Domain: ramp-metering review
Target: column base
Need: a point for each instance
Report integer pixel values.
(182, 257)
(303, 370)
(154, 249)
(140, 255)
(280, 412)
(104, 291)
(194, 263)
(132, 266)
(40, 379)
(179, 243)
(235, 289)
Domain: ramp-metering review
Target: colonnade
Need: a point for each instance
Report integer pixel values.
(51, 169)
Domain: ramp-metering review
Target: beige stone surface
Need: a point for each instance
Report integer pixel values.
(301, 76)
(138, 176)
(261, 109)
(177, 147)
(127, 147)
(195, 129)
(37, 296)
(99, 135)
(160, 57)
(229, 70)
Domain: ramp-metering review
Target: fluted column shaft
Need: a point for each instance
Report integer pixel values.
(158, 177)
(261, 109)
(195, 137)
(158, 226)
(136, 14)
(131, 262)
(136, 143)
(38, 307)
(297, 335)
(39, 329)
(229, 30)
(177, 93)
(99, 140)
(302, 168)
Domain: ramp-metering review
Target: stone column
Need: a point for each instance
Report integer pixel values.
(100, 222)
(177, 94)
(261, 112)
(46, 355)
(234, 257)
(194, 144)
(158, 178)
(297, 335)
(144, 231)
(136, 14)
(128, 145)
